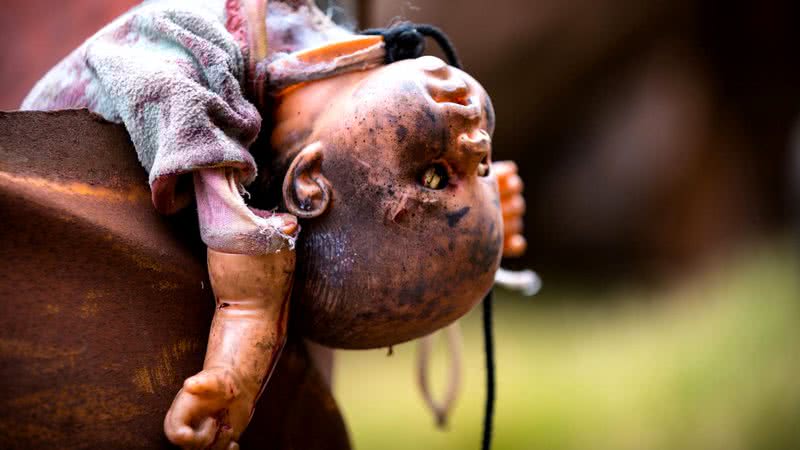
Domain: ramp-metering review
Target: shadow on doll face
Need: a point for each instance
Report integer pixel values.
(411, 235)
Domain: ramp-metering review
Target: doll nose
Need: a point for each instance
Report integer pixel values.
(471, 149)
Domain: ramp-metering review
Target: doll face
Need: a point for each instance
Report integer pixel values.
(412, 233)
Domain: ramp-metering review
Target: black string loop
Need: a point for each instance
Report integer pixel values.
(407, 41)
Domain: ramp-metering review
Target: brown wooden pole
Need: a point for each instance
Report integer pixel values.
(364, 13)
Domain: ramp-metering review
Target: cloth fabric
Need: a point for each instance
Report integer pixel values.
(172, 72)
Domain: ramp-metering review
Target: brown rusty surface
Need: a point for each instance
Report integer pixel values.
(106, 305)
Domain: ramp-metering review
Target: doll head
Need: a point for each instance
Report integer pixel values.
(388, 170)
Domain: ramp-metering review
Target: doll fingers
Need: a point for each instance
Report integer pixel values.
(512, 227)
(210, 384)
(201, 384)
(178, 422)
(514, 245)
(510, 185)
(504, 168)
(513, 207)
(207, 434)
(222, 437)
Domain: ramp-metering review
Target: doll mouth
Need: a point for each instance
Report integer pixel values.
(449, 90)
(452, 91)
(444, 85)
(455, 95)
(458, 101)
(469, 110)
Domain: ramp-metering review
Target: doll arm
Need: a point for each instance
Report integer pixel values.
(172, 73)
(183, 105)
(247, 335)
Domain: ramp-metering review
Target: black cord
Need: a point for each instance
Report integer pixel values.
(444, 42)
(407, 40)
(488, 343)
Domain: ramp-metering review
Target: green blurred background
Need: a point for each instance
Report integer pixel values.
(709, 363)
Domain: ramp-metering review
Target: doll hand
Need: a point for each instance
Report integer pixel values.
(210, 412)
(513, 206)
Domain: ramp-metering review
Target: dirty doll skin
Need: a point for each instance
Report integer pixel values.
(413, 232)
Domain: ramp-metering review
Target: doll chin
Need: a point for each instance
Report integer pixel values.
(354, 311)
(369, 337)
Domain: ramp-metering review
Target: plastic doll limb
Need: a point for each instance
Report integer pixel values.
(247, 335)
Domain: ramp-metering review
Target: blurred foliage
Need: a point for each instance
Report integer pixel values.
(709, 364)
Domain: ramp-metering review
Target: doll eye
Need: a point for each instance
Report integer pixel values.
(435, 177)
(483, 167)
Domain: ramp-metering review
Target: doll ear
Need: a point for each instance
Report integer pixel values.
(306, 192)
